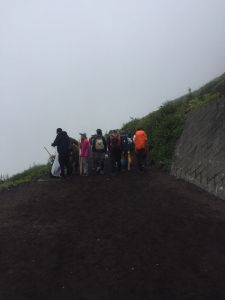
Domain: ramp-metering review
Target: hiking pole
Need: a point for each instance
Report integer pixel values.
(51, 156)
(47, 151)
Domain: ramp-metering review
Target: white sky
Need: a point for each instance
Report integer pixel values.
(88, 64)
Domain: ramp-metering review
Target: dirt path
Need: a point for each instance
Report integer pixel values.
(135, 236)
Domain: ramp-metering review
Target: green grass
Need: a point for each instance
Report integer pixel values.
(165, 126)
(31, 174)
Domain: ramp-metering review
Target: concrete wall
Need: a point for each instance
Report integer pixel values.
(200, 152)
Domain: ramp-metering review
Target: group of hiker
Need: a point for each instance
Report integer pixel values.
(121, 149)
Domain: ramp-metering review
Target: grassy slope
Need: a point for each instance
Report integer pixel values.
(165, 125)
(28, 175)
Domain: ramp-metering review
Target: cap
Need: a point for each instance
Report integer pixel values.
(83, 133)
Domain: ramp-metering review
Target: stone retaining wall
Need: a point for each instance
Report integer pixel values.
(200, 152)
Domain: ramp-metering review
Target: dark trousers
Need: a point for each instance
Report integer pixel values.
(116, 160)
(125, 159)
(99, 161)
(64, 162)
(141, 158)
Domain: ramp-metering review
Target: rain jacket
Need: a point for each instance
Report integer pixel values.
(62, 141)
(85, 148)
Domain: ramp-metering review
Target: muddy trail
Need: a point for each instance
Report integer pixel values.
(133, 236)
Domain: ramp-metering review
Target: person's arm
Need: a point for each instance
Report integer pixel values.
(105, 144)
(55, 143)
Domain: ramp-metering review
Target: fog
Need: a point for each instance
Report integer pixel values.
(83, 65)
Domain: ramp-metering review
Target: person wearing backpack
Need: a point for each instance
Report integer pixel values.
(114, 146)
(93, 164)
(124, 150)
(127, 147)
(130, 154)
(140, 143)
(99, 149)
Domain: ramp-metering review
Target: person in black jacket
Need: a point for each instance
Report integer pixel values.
(62, 142)
(99, 149)
(114, 146)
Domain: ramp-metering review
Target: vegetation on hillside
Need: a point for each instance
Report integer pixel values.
(165, 125)
(28, 175)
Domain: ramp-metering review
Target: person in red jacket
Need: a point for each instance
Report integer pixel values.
(114, 146)
(140, 143)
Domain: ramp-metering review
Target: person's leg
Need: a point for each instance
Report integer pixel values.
(142, 158)
(125, 158)
(62, 164)
(118, 160)
(139, 159)
(76, 163)
(113, 161)
(98, 162)
(68, 165)
(85, 165)
(132, 159)
(93, 161)
(102, 162)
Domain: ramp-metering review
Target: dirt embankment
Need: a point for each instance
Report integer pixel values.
(135, 236)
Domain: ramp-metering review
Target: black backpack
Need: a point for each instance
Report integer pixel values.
(130, 144)
(124, 143)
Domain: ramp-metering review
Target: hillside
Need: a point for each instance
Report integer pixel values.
(165, 125)
(135, 236)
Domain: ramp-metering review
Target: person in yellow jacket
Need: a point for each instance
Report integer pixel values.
(140, 143)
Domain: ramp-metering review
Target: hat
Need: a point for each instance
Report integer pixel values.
(83, 134)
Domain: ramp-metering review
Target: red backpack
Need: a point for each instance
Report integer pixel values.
(115, 142)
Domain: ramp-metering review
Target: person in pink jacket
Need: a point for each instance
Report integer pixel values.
(84, 154)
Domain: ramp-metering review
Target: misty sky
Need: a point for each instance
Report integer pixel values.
(88, 64)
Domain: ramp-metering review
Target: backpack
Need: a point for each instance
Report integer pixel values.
(124, 143)
(99, 144)
(130, 144)
(115, 141)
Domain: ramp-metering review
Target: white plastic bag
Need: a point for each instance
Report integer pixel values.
(56, 167)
